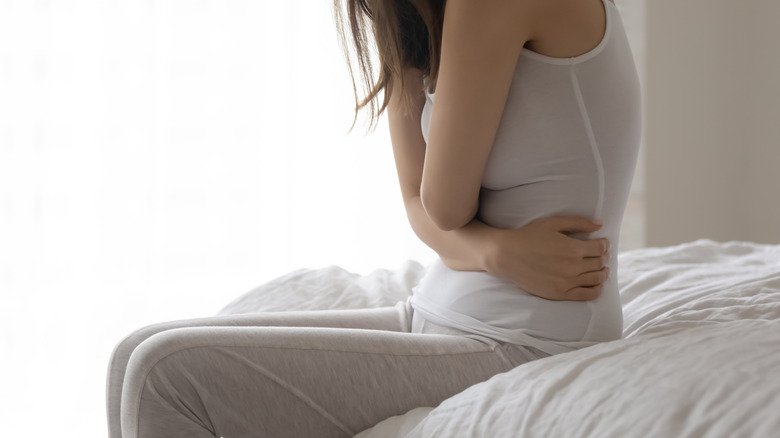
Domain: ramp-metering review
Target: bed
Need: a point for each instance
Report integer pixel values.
(700, 354)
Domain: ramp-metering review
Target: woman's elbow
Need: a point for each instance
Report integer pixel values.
(447, 216)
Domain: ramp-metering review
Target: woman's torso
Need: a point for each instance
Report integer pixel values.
(566, 145)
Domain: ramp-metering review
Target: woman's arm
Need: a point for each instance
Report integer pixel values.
(461, 249)
(538, 257)
(481, 43)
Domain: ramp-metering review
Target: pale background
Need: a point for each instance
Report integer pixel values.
(159, 158)
(712, 120)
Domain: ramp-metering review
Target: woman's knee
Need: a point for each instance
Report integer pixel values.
(157, 386)
(124, 349)
(153, 346)
(152, 361)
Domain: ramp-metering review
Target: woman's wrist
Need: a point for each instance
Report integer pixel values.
(490, 250)
(481, 243)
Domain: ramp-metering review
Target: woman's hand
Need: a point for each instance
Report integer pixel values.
(542, 259)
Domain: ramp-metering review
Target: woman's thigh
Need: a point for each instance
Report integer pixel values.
(389, 318)
(295, 381)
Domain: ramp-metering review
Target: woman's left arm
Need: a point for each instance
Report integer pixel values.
(481, 42)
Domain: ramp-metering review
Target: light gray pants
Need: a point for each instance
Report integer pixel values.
(327, 373)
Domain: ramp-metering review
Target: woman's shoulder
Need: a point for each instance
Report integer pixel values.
(510, 20)
(568, 28)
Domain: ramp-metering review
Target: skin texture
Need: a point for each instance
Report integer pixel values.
(440, 181)
(481, 42)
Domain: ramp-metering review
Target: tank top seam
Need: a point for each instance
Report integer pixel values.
(599, 168)
(591, 140)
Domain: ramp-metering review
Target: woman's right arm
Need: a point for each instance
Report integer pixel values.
(539, 257)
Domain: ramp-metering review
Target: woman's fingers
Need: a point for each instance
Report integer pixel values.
(593, 278)
(596, 247)
(582, 293)
(588, 293)
(591, 264)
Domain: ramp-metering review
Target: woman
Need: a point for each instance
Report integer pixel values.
(517, 176)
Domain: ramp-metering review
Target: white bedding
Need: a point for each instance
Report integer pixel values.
(700, 355)
(329, 288)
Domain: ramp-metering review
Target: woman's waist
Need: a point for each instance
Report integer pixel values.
(499, 303)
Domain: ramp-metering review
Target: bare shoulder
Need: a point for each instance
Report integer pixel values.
(513, 19)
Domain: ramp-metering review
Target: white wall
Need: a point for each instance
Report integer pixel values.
(158, 159)
(632, 232)
(712, 109)
(762, 212)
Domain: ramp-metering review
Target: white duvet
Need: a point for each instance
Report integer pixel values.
(700, 355)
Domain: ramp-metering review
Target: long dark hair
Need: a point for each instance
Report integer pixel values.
(404, 33)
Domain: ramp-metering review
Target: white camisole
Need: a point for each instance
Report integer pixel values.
(567, 144)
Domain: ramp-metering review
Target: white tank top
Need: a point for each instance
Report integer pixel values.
(567, 144)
